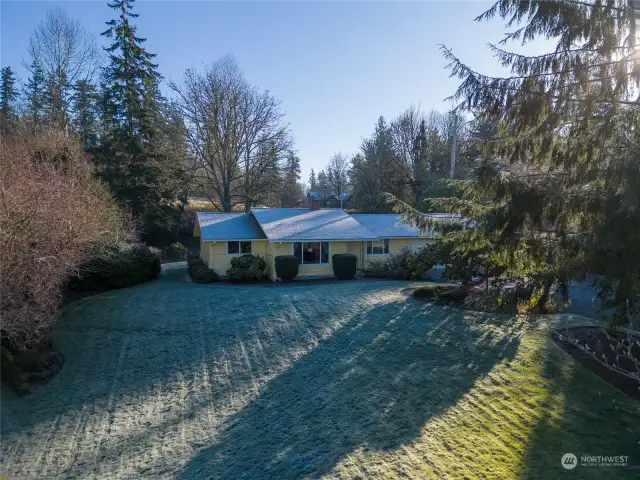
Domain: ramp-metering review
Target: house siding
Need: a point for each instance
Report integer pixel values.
(356, 248)
(215, 255)
(204, 251)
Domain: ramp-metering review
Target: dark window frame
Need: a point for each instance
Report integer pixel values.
(242, 248)
(383, 245)
(323, 255)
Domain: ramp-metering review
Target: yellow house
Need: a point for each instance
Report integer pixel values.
(313, 235)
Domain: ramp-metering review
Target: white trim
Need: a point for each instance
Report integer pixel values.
(239, 248)
(302, 264)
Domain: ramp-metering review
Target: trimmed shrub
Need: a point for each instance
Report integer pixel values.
(123, 266)
(287, 267)
(200, 273)
(174, 252)
(344, 265)
(246, 268)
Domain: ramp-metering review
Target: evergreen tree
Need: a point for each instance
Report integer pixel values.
(312, 180)
(291, 194)
(420, 165)
(8, 98)
(133, 156)
(36, 95)
(322, 180)
(330, 177)
(378, 170)
(554, 195)
(86, 115)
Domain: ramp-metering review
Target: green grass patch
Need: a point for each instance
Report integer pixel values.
(349, 380)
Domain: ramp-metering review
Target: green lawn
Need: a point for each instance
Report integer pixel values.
(346, 380)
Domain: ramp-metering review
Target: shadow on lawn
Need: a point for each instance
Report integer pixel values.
(581, 428)
(131, 343)
(372, 385)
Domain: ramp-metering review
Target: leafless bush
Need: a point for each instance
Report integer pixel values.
(53, 216)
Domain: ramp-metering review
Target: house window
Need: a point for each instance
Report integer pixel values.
(238, 248)
(311, 253)
(379, 247)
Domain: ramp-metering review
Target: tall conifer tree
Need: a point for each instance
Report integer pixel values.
(8, 98)
(35, 94)
(141, 172)
(555, 194)
(85, 108)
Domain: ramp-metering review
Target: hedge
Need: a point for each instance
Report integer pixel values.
(287, 267)
(123, 266)
(345, 265)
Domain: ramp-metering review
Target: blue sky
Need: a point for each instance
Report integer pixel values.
(335, 66)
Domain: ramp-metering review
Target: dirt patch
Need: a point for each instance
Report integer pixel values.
(603, 347)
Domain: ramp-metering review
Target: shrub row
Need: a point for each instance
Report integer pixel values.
(246, 268)
(119, 267)
(344, 266)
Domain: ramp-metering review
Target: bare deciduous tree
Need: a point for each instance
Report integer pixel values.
(338, 174)
(405, 128)
(67, 53)
(236, 132)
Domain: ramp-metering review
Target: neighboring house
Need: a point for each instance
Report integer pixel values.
(313, 235)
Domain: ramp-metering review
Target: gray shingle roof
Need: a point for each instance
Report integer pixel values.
(298, 224)
(388, 225)
(228, 226)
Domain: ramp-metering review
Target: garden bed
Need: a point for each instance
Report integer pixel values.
(601, 344)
